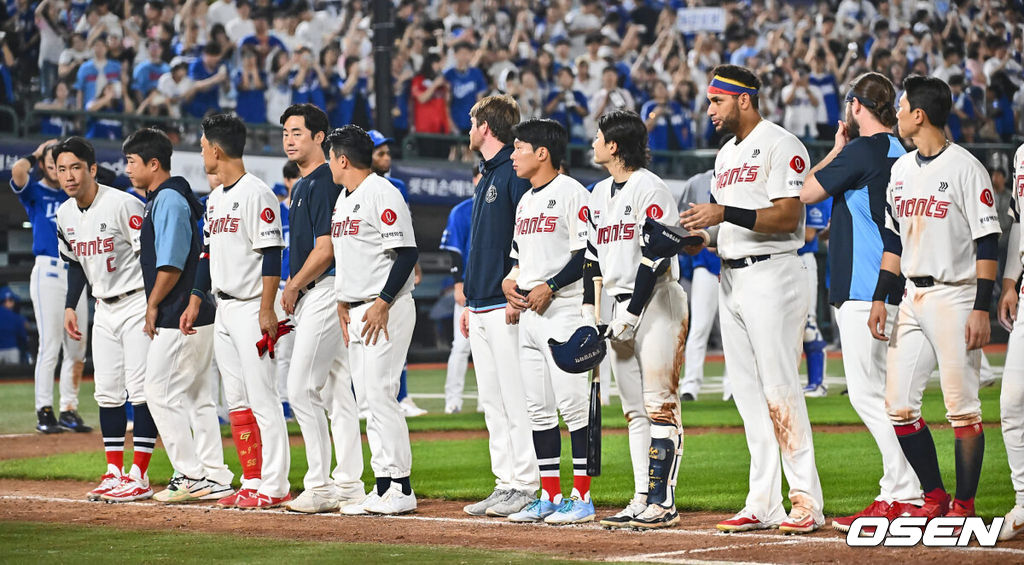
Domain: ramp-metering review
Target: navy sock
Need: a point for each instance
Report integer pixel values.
(405, 484)
(919, 447)
(969, 447)
(383, 484)
(112, 425)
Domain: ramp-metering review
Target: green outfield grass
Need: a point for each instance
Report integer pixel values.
(48, 543)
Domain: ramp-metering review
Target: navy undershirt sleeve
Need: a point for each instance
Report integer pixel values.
(405, 261)
(272, 262)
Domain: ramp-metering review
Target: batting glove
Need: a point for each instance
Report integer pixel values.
(623, 327)
(266, 343)
(589, 316)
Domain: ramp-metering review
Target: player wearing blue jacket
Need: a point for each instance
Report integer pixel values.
(455, 240)
(818, 216)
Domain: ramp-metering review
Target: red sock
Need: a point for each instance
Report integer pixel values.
(581, 484)
(246, 434)
(115, 455)
(551, 487)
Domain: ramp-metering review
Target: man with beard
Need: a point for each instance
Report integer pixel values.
(856, 174)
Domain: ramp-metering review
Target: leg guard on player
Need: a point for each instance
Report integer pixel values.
(666, 449)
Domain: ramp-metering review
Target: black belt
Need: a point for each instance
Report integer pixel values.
(622, 297)
(745, 262)
(360, 303)
(923, 281)
(119, 297)
(225, 296)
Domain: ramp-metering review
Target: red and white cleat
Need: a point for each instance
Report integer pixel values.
(108, 482)
(130, 489)
(744, 521)
(231, 500)
(261, 501)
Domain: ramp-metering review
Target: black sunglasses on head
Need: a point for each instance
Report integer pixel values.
(850, 96)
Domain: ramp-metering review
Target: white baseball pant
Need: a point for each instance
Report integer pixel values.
(376, 374)
(929, 329)
(811, 264)
(319, 373)
(206, 425)
(249, 382)
(763, 309)
(864, 365)
(703, 310)
(458, 361)
(1011, 403)
(549, 390)
(283, 351)
(119, 351)
(500, 391)
(48, 285)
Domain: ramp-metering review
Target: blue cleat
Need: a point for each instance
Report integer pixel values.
(534, 511)
(289, 416)
(572, 511)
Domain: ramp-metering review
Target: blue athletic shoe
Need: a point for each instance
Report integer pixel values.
(572, 511)
(534, 511)
(289, 416)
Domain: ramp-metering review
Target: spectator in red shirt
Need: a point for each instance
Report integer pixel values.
(430, 105)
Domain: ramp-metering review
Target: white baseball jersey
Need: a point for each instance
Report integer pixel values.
(616, 222)
(551, 224)
(1017, 202)
(104, 240)
(770, 163)
(368, 223)
(939, 207)
(241, 221)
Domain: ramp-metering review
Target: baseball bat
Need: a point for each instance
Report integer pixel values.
(594, 418)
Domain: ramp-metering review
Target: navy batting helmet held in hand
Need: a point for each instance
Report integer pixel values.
(661, 240)
(583, 351)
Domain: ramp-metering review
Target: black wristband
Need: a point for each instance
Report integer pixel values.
(887, 284)
(741, 217)
(983, 298)
(32, 160)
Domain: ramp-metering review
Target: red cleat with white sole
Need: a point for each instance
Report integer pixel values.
(108, 482)
(231, 500)
(130, 489)
(801, 521)
(744, 521)
(261, 501)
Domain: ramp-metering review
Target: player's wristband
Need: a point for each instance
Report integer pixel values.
(983, 297)
(887, 284)
(741, 217)
(32, 160)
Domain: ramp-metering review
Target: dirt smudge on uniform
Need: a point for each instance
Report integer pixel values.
(677, 360)
(782, 422)
(667, 413)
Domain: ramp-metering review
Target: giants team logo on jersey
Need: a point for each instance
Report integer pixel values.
(347, 226)
(797, 164)
(929, 207)
(227, 224)
(654, 212)
(135, 222)
(267, 215)
(746, 173)
(619, 232)
(96, 246)
(987, 199)
(388, 216)
(536, 224)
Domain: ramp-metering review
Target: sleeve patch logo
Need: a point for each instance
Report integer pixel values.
(584, 214)
(986, 198)
(797, 164)
(655, 212)
(267, 215)
(388, 216)
(135, 222)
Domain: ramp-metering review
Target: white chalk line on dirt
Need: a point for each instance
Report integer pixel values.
(16, 436)
(764, 539)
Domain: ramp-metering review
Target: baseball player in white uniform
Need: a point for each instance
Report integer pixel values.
(1011, 397)
(548, 245)
(372, 228)
(47, 288)
(941, 205)
(319, 382)
(98, 229)
(757, 224)
(243, 269)
(649, 318)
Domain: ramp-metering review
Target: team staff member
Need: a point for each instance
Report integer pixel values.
(938, 194)
(548, 245)
(319, 382)
(758, 226)
(176, 364)
(98, 230)
(494, 343)
(242, 267)
(855, 174)
(372, 228)
(47, 288)
(1011, 396)
(649, 317)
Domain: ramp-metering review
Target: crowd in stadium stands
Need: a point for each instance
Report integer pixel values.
(570, 60)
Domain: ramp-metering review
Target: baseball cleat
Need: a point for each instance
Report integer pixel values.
(626, 515)
(231, 500)
(108, 482)
(815, 391)
(687, 397)
(359, 508)
(261, 501)
(70, 420)
(572, 511)
(878, 508)
(744, 521)
(535, 511)
(217, 491)
(513, 502)
(130, 489)
(410, 409)
(47, 423)
(655, 516)
(1013, 523)
(312, 502)
(480, 508)
(182, 489)
(289, 415)
(393, 502)
(934, 506)
(801, 521)
(452, 409)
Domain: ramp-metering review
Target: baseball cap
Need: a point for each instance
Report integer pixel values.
(280, 189)
(7, 294)
(378, 138)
